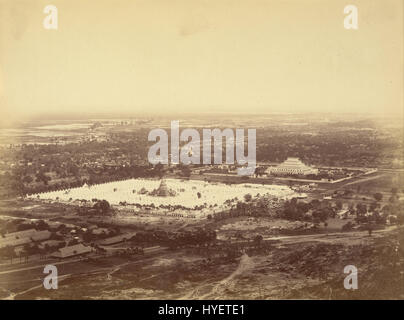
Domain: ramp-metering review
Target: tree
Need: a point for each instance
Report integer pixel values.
(159, 170)
(393, 198)
(322, 214)
(88, 236)
(370, 228)
(185, 171)
(9, 252)
(102, 206)
(257, 240)
(378, 196)
(27, 179)
(373, 206)
(42, 177)
(42, 225)
(247, 197)
(361, 208)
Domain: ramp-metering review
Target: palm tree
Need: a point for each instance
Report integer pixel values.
(9, 252)
(257, 240)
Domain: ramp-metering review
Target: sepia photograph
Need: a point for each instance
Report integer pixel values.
(193, 150)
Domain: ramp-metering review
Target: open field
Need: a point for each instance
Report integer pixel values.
(188, 193)
(296, 267)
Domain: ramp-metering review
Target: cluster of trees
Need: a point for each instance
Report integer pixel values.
(195, 237)
(102, 206)
(16, 225)
(88, 176)
(130, 252)
(29, 249)
(330, 146)
(192, 238)
(249, 207)
(295, 210)
(99, 207)
(88, 236)
(39, 168)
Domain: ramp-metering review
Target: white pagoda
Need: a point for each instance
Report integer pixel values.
(292, 166)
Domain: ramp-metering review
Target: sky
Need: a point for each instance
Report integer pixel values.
(160, 56)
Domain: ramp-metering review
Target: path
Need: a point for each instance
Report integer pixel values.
(245, 264)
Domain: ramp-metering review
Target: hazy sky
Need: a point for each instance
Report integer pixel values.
(203, 56)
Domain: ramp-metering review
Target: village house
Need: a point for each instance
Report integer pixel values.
(71, 251)
(21, 238)
(117, 239)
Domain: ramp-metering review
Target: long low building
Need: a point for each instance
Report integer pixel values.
(23, 237)
(20, 234)
(117, 239)
(71, 251)
(11, 242)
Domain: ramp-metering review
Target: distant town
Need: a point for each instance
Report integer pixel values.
(81, 195)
